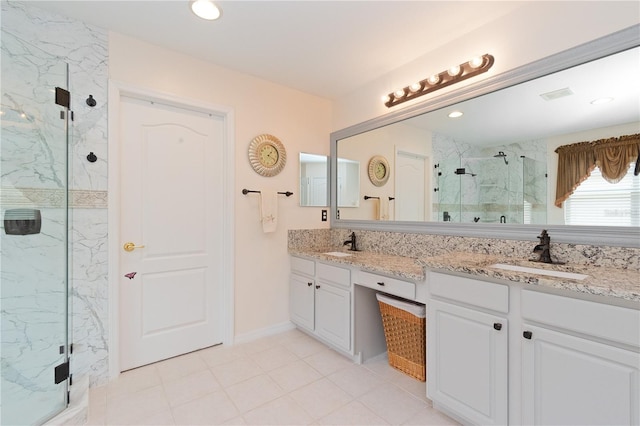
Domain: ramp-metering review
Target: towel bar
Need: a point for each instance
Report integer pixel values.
(246, 191)
(366, 197)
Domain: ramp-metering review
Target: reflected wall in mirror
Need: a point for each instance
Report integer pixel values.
(314, 170)
(348, 183)
(496, 162)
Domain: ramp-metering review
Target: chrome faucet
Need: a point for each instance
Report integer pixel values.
(352, 242)
(543, 249)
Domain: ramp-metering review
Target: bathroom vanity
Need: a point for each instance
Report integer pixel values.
(503, 346)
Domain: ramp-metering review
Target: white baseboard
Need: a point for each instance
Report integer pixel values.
(264, 332)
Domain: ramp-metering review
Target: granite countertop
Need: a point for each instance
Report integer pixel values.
(399, 266)
(601, 281)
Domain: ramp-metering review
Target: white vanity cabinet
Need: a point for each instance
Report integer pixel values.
(302, 293)
(580, 363)
(467, 347)
(320, 301)
(562, 360)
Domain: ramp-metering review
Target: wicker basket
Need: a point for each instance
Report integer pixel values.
(405, 335)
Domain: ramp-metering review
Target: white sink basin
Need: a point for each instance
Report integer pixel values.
(558, 274)
(337, 254)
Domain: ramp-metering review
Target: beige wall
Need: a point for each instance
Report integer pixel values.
(303, 122)
(531, 32)
(299, 120)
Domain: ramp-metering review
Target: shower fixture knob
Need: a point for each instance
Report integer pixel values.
(90, 101)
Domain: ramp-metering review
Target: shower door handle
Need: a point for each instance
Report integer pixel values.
(131, 246)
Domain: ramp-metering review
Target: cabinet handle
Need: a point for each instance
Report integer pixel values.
(317, 286)
(497, 326)
(309, 284)
(380, 283)
(527, 335)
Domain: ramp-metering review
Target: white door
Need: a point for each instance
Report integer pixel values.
(170, 208)
(467, 362)
(567, 380)
(411, 181)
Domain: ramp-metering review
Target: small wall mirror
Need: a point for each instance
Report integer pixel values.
(314, 170)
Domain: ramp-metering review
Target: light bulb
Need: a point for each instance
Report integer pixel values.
(385, 99)
(434, 79)
(454, 71)
(415, 87)
(398, 93)
(476, 62)
(205, 9)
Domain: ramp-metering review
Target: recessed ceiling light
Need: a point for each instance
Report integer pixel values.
(600, 101)
(205, 9)
(455, 114)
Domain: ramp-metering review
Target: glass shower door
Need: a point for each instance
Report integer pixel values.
(34, 246)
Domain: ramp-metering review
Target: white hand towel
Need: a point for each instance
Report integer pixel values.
(384, 208)
(269, 210)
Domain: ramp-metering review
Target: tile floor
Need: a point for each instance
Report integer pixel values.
(286, 379)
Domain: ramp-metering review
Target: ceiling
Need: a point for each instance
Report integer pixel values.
(331, 48)
(325, 48)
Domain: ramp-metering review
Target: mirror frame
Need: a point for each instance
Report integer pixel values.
(572, 234)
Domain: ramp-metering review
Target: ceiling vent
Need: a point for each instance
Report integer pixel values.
(556, 94)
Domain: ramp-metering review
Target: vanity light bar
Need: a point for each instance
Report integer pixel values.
(474, 67)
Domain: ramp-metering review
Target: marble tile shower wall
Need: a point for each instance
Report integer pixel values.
(424, 245)
(26, 31)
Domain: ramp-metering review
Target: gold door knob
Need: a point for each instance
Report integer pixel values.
(130, 246)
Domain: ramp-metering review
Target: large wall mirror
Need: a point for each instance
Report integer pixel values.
(492, 170)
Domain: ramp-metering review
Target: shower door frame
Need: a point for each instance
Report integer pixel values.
(46, 198)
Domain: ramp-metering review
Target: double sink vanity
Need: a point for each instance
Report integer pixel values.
(509, 341)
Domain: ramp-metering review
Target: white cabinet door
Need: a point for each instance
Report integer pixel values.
(569, 380)
(333, 315)
(467, 362)
(301, 301)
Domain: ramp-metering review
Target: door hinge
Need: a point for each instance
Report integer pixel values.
(61, 372)
(63, 97)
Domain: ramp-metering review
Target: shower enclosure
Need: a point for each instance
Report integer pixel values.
(495, 189)
(34, 236)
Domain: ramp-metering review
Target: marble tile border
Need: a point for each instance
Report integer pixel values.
(52, 198)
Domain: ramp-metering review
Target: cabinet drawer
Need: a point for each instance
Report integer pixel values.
(473, 292)
(609, 322)
(334, 274)
(303, 266)
(393, 286)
